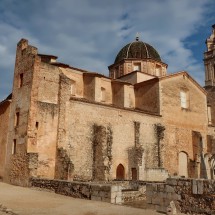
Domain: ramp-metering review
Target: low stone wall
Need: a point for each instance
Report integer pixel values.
(132, 195)
(156, 174)
(84, 190)
(189, 195)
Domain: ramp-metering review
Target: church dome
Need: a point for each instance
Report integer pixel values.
(137, 50)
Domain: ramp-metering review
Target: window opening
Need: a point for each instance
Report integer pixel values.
(17, 119)
(21, 80)
(14, 147)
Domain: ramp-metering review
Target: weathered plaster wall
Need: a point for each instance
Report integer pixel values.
(46, 138)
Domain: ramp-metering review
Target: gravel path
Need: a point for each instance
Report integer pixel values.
(28, 201)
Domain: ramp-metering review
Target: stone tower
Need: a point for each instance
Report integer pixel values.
(209, 62)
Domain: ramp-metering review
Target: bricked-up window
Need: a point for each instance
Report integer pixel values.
(17, 119)
(184, 96)
(73, 88)
(103, 92)
(21, 80)
(209, 115)
(14, 147)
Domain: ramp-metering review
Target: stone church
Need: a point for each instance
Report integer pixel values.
(140, 123)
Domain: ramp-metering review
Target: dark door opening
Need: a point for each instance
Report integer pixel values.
(134, 173)
(120, 172)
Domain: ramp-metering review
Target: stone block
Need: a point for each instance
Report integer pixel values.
(200, 187)
(171, 181)
(118, 200)
(194, 188)
(113, 194)
(169, 189)
(114, 188)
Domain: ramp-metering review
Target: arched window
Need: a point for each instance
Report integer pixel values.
(120, 172)
(183, 164)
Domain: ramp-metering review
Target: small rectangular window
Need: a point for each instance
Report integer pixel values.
(14, 147)
(17, 119)
(21, 80)
(37, 125)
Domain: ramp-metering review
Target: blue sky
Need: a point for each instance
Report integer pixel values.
(89, 33)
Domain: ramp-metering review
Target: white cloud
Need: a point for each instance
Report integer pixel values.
(89, 34)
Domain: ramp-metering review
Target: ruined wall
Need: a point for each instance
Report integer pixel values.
(19, 112)
(91, 191)
(4, 119)
(189, 195)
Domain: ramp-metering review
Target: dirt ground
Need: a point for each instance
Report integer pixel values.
(28, 201)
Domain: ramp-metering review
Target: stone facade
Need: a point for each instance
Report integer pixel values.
(71, 124)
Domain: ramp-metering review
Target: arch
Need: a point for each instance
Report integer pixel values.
(120, 172)
(183, 164)
(212, 166)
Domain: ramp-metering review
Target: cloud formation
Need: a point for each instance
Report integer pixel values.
(89, 34)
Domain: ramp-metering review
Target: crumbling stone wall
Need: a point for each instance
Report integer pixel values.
(22, 167)
(91, 191)
(64, 166)
(102, 152)
(193, 196)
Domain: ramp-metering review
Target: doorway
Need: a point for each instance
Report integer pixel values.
(120, 172)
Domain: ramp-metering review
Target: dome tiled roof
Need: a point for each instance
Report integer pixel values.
(137, 50)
